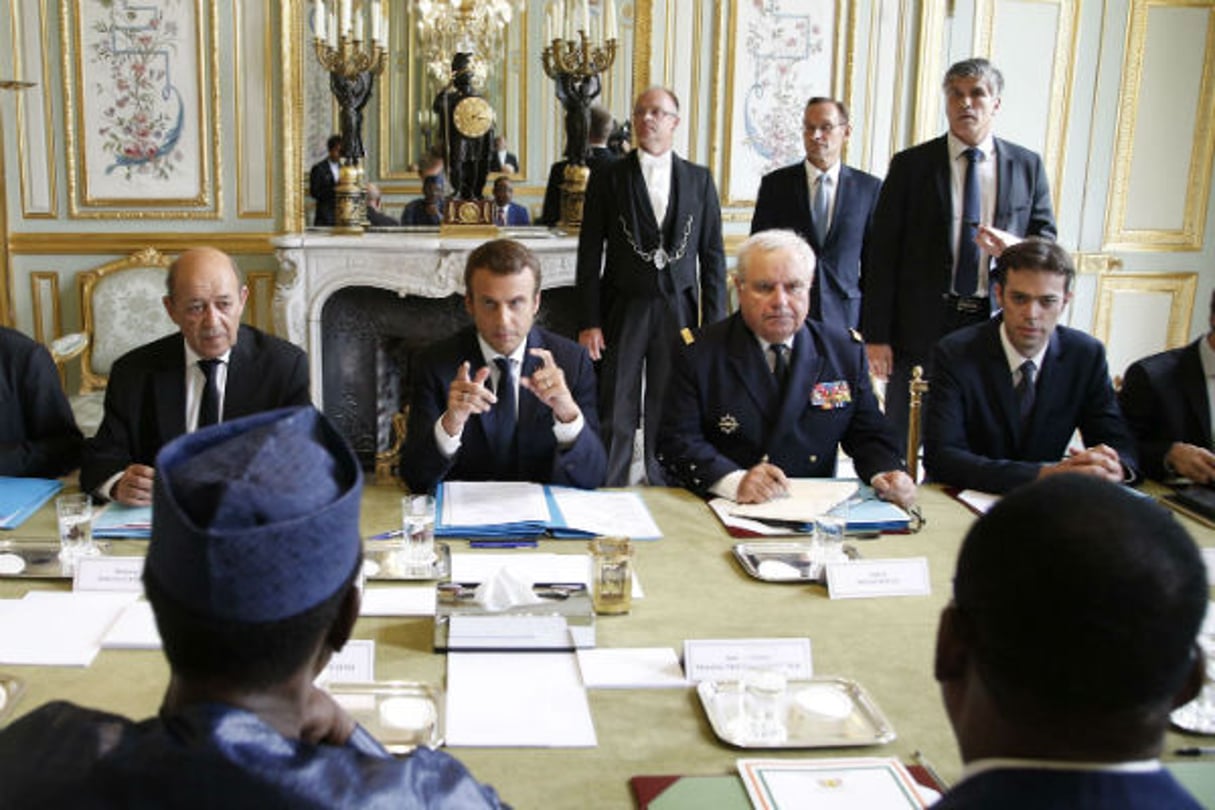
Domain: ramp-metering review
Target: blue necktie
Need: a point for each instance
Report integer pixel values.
(966, 280)
(208, 408)
(818, 209)
(1025, 392)
(505, 418)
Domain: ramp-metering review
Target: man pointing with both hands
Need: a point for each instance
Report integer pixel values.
(503, 399)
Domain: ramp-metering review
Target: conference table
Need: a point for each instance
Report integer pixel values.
(693, 589)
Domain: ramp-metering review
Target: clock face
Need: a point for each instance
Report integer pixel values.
(469, 213)
(473, 117)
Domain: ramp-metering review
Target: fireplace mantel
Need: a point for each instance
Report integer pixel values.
(313, 266)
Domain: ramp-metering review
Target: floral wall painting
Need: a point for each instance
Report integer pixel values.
(144, 123)
(780, 54)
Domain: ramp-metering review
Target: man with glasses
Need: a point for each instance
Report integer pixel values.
(947, 207)
(1010, 392)
(664, 272)
(766, 394)
(829, 204)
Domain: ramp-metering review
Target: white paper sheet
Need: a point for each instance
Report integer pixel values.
(807, 499)
(477, 503)
(59, 629)
(135, 629)
(727, 659)
(620, 514)
(398, 600)
(874, 783)
(531, 700)
(541, 567)
(354, 663)
(631, 668)
(978, 501)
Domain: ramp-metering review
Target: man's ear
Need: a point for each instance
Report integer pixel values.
(1194, 679)
(343, 626)
(949, 662)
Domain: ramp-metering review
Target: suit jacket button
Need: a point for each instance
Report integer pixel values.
(813, 459)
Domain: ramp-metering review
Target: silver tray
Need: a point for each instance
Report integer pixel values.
(10, 689)
(569, 602)
(402, 715)
(385, 560)
(786, 561)
(855, 720)
(40, 560)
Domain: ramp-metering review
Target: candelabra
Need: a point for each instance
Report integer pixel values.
(352, 63)
(575, 65)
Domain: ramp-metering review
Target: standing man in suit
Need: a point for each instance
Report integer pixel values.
(507, 213)
(503, 400)
(925, 273)
(829, 204)
(1009, 393)
(501, 160)
(664, 272)
(212, 370)
(1071, 636)
(766, 394)
(38, 433)
(599, 155)
(322, 182)
(1166, 399)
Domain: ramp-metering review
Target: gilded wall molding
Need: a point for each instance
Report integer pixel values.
(930, 67)
(1189, 236)
(643, 27)
(60, 243)
(265, 103)
(47, 149)
(1180, 287)
(44, 293)
(293, 180)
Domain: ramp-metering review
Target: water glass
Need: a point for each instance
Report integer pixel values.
(829, 532)
(764, 705)
(418, 529)
(75, 515)
(611, 574)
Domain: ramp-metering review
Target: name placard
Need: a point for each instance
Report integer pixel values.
(706, 659)
(354, 664)
(860, 579)
(123, 574)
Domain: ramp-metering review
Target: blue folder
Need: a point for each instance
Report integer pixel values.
(22, 497)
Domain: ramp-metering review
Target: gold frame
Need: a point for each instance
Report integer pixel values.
(238, 26)
(6, 278)
(1182, 288)
(86, 280)
(207, 203)
(62, 243)
(925, 123)
(48, 137)
(259, 307)
(729, 29)
(1190, 235)
(49, 279)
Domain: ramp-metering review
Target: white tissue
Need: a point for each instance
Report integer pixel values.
(507, 588)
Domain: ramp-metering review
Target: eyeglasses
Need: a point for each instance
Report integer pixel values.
(826, 129)
(653, 112)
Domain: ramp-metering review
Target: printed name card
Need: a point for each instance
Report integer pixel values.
(354, 664)
(706, 659)
(860, 579)
(109, 574)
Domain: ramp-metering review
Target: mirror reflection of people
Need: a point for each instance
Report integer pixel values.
(252, 574)
(467, 130)
(375, 213)
(507, 213)
(503, 160)
(427, 209)
(323, 180)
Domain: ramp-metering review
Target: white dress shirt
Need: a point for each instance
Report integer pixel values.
(657, 173)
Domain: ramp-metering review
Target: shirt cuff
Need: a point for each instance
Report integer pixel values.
(727, 485)
(566, 433)
(448, 445)
(106, 490)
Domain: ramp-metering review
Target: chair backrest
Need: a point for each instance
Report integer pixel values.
(121, 307)
(918, 387)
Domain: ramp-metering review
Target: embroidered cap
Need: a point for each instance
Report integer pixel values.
(256, 519)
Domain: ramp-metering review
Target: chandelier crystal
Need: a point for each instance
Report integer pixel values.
(448, 27)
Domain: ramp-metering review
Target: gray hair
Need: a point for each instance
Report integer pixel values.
(976, 68)
(771, 241)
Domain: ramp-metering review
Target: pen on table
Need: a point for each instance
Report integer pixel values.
(1196, 751)
(387, 535)
(502, 544)
(923, 762)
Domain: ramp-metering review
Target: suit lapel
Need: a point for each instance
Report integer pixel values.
(805, 368)
(675, 205)
(240, 387)
(1052, 362)
(1004, 169)
(756, 380)
(999, 380)
(169, 386)
(941, 184)
(645, 225)
(801, 199)
(531, 410)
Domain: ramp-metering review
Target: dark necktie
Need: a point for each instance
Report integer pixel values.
(504, 423)
(780, 363)
(818, 209)
(1025, 391)
(501, 215)
(208, 408)
(966, 280)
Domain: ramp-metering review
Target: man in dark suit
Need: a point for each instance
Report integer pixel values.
(1007, 394)
(929, 250)
(766, 394)
(829, 205)
(38, 434)
(427, 209)
(213, 370)
(322, 182)
(1071, 636)
(503, 400)
(501, 160)
(1166, 399)
(664, 272)
(507, 213)
(601, 127)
